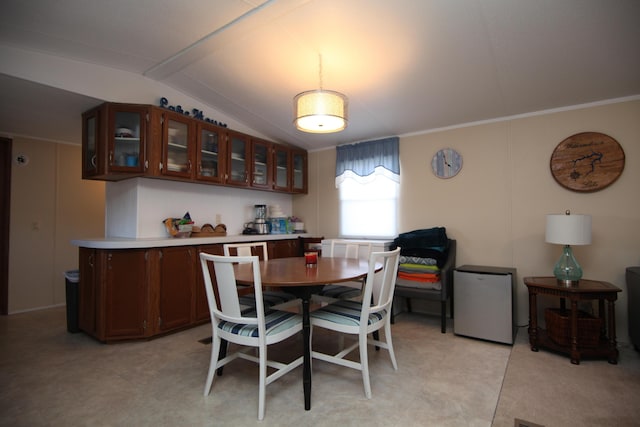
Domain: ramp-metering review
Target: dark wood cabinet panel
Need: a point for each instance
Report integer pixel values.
(177, 287)
(283, 248)
(87, 288)
(125, 294)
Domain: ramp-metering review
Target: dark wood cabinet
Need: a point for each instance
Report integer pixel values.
(114, 141)
(238, 159)
(261, 164)
(87, 289)
(176, 293)
(178, 145)
(282, 169)
(141, 293)
(122, 300)
(211, 153)
(283, 248)
(299, 173)
(121, 141)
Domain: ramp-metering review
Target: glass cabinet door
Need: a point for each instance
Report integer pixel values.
(126, 152)
(281, 174)
(177, 142)
(210, 153)
(90, 143)
(238, 160)
(261, 169)
(299, 170)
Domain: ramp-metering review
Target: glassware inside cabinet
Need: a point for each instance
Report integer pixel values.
(298, 171)
(238, 164)
(177, 147)
(260, 163)
(126, 139)
(209, 151)
(282, 168)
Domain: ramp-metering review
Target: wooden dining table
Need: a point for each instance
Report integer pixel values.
(295, 277)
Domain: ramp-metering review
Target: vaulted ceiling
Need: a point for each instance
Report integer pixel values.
(406, 65)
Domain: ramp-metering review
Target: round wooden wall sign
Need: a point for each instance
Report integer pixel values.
(587, 161)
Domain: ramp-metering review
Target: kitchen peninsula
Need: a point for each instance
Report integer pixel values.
(146, 287)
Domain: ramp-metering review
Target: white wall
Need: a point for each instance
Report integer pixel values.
(496, 206)
(137, 207)
(50, 206)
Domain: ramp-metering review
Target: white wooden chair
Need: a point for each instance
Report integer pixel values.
(361, 318)
(353, 250)
(246, 328)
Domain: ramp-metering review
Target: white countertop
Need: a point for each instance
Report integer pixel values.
(155, 242)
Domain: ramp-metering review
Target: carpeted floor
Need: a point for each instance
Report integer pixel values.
(53, 378)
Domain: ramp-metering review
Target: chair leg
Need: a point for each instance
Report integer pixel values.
(222, 354)
(393, 317)
(443, 317)
(409, 305)
(263, 383)
(387, 336)
(364, 365)
(215, 351)
(376, 336)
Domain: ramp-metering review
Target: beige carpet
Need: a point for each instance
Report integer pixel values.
(49, 377)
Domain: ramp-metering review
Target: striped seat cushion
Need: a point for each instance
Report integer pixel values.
(346, 312)
(276, 321)
(340, 292)
(269, 298)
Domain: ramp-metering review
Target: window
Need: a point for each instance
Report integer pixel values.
(367, 177)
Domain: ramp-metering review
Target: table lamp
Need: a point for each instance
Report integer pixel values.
(568, 230)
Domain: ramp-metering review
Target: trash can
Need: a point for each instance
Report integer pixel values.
(72, 278)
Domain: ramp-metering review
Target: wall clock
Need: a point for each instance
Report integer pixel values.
(446, 163)
(587, 161)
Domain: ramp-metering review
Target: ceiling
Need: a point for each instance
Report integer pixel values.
(407, 66)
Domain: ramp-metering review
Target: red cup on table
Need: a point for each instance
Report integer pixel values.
(311, 259)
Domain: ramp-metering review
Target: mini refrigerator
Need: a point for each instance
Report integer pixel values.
(484, 302)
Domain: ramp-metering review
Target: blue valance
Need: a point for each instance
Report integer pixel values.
(365, 159)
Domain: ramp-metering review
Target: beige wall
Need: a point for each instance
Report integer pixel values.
(496, 206)
(50, 205)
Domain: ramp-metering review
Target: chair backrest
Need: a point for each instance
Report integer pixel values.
(227, 292)
(246, 249)
(379, 287)
(353, 249)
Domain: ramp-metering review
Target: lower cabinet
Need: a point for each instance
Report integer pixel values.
(177, 287)
(141, 293)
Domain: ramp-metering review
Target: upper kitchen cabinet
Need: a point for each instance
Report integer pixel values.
(178, 145)
(114, 141)
(299, 171)
(121, 141)
(261, 166)
(238, 159)
(211, 153)
(281, 168)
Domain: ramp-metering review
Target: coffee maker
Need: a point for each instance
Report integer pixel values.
(260, 223)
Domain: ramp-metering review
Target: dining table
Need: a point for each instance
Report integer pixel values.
(295, 276)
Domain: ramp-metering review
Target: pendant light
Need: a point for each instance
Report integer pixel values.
(320, 111)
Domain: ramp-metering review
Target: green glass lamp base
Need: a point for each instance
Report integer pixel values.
(567, 270)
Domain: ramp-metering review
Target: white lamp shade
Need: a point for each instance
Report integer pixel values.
(565, 229)
(320, 111)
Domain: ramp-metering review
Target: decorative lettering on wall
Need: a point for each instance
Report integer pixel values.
(195, 113)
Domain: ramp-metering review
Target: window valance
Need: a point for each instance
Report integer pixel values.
(364, 160)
